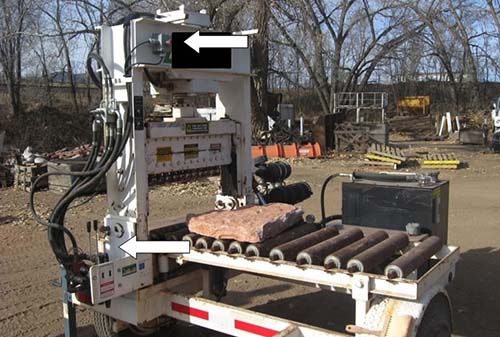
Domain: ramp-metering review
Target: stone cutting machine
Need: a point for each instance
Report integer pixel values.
(159, 131)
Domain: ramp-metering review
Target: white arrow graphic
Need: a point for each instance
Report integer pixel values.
(197, 41)
(133, 247)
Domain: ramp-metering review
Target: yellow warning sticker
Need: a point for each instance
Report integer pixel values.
(191, 151)
(163, 154)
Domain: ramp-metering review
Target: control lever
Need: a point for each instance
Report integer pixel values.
(96, 223)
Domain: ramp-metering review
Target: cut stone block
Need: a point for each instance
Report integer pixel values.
(248, 224)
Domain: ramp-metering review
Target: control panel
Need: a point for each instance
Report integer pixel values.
(113, 279)
(188, 144)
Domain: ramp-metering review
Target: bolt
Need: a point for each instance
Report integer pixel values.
(359, 284)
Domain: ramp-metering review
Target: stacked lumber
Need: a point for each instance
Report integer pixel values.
(383, 155)
(440, 161)
(415, 125)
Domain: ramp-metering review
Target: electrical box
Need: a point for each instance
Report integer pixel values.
(287, 112)
(390, 205)
(114, 279)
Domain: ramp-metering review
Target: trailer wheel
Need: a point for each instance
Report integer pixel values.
(103, 325)
(437, 318)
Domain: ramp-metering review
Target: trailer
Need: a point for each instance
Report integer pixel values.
(142, 277)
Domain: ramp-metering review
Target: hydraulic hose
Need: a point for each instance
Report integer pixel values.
(56, 229)
(117, 144)
(55, 238)
(324, 218)
(89, 163)
(107, 75)
(387, 177)
(322, 197)
(94, 153)
(117, 137)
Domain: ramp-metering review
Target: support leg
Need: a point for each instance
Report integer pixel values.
(69, 312)
(362, 308)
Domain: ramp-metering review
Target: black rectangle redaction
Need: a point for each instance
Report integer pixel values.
(183, 56)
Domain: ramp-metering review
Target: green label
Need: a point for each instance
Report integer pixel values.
(130, 269)
(196, 128)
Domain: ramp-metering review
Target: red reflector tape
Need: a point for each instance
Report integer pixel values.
(106, 283)
(107, 291)
(184, 309)
(255, 329)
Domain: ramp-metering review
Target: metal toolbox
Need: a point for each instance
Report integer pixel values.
(393, 205)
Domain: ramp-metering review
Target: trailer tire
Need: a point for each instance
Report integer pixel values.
(437, 318)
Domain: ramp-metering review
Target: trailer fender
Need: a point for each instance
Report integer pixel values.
(382, 307)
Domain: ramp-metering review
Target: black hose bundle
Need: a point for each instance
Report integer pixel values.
(274, 172)
(289, 194)
(117, 136)
(117, 133)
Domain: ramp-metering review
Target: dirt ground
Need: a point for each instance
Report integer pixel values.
(31, 306)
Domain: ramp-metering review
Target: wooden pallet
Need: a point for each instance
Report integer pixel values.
(351, 138)
(375, 157)
(25, 175)
(387, 152)
(392, 166)
(439, 166)
(440, 159)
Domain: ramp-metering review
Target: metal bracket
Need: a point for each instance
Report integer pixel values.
(360, 286)
(69, 312)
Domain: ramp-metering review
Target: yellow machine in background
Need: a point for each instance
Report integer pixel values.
(412, 103)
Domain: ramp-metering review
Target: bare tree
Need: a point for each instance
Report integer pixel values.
(55, 14)
(494, 9)
(333, 39)
(13, 19)
(260, 63)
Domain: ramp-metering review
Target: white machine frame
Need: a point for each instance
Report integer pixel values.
(138, 300)
(128, 181)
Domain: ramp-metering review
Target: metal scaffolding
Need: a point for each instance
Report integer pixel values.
(371, 102)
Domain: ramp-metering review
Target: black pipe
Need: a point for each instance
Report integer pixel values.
(192, 237)
(317, 253)
(289, 250)
(263, 248)
(339, 258)
(204, 242)
(221, 245)
(237, 247)
(414, 258)
(372, 257)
